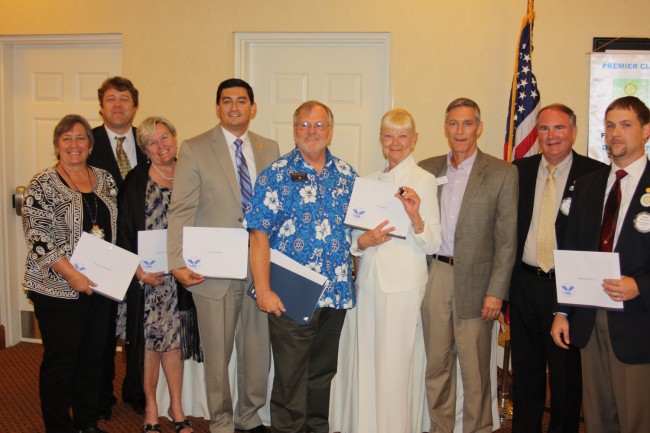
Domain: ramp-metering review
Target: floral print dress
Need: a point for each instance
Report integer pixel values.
(161, 315)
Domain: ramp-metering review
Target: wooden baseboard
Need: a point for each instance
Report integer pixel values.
(3, 339)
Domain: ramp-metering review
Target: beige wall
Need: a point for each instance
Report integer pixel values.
(176, 52)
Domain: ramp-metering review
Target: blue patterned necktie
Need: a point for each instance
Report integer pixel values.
(245, 187)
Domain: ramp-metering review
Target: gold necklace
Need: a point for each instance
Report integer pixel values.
(95, 230)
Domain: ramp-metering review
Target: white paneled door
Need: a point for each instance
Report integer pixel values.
(49, 80)
(347, 71)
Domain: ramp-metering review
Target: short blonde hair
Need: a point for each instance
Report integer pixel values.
(397, 118)
(147, 128)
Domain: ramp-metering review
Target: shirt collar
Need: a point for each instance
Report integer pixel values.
(635, 170)
(561, 167)
(230, 137)
(112, 134)
(465, 166)
(297, 158)
(397, 171)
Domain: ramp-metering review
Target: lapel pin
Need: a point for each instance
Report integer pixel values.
(645, 199)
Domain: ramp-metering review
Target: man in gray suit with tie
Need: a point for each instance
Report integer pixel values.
(214, 176)
(470, 277)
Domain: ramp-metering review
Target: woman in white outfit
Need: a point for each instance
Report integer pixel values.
(391, 278)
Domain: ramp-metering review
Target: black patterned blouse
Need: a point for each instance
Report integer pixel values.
(53, 220)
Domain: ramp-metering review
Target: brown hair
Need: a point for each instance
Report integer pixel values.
(121, 84)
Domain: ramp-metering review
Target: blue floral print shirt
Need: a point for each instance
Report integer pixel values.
(303, 213)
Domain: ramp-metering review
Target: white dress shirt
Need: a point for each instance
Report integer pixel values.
(128, 145)
(247, 150)
(561, 175)
(628, 186)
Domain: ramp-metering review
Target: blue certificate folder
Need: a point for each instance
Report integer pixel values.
(298, 287)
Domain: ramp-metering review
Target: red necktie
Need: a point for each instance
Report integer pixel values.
(610, 216)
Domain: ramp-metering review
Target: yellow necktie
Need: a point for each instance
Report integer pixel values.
(546, 241)
(122, 159)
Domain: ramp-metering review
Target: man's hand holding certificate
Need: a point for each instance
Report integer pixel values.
(373, 202)
(579, 277)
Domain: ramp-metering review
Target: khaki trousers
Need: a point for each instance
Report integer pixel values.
(447, 337)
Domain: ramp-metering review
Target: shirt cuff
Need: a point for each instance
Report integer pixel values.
(354, 249)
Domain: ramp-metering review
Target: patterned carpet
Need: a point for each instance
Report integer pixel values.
(20, 410)
(20, 406)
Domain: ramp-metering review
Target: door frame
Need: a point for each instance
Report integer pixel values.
(246, 41)
(10, 315)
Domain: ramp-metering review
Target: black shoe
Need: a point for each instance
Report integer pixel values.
(259, 429)
(182, 425)
(104, 413)
(93, 429)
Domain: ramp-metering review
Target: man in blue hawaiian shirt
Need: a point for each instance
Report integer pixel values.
(298, 208)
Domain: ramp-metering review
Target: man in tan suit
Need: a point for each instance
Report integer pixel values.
(208, 193)
(470, 277)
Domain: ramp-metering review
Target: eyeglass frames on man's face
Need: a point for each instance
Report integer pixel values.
(306, 126)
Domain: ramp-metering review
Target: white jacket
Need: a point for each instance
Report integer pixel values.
(400, 264)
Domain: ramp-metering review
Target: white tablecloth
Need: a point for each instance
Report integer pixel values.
(343, 406)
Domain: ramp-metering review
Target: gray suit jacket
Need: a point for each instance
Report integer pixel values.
(485, 242)
(206, 194)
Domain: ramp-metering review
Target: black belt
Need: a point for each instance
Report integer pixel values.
(444, 259)
(550, 275)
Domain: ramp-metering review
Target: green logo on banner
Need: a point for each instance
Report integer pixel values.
(639, 87)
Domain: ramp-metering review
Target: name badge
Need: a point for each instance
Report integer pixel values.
(645, 200)
(565, 206)
(299, 177)
(642, 222)
(442, 180)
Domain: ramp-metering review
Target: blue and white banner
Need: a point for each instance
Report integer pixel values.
(614, 75)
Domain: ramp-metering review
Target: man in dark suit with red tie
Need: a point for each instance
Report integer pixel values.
(611, 213)
(116, 151)
(532, 293)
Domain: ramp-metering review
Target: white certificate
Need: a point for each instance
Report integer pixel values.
(152, 249)
(579, 277)
(216, 252)
(373, 202)
(109, 266)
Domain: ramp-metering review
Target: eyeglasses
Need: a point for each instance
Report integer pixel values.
(306, 126)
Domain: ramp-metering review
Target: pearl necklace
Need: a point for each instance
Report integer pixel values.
(171, 179)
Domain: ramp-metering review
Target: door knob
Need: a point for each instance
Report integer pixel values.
(19, 196)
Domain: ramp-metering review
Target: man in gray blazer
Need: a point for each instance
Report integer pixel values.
(470, 277)
(207, 194)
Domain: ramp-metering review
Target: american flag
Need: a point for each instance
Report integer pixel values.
(521, 134)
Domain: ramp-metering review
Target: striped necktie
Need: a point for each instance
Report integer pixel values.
(122, 160)
(245, 187)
